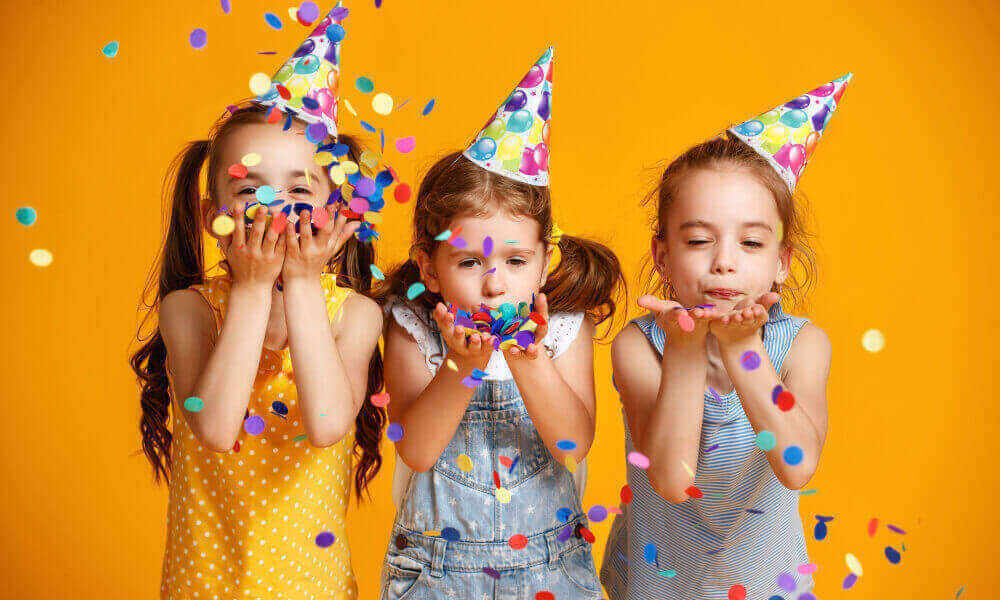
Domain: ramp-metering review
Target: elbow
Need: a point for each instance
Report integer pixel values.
(415, 463)
(328, 436)
(796, 478)
(216, 441)
(668, 486)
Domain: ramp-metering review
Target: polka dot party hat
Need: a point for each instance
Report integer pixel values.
(515, 141)
(306, 85)
(787, 135)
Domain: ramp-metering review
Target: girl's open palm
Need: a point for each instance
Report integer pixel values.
(254, 258)
(743, 323)
(476, 346)
(676, 321)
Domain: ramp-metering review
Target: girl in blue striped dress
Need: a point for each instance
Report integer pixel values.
(723, 393)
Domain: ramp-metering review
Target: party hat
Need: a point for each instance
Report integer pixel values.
(306, 85)
(515, 141)
(787, 135)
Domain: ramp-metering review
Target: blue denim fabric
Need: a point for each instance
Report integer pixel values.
(556, 559)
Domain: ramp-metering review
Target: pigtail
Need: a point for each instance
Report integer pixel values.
(180, 264)
(587, 279)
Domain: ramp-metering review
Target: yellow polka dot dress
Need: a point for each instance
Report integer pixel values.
(256, 521)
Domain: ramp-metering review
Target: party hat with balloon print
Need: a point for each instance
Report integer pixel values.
(515, 141)
(787, 135)
(306, 85)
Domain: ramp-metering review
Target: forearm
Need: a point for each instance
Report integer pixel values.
(328, 398)
(557, 412)
(225, 384)
(430, 421)
(791, 428)
(671, 437)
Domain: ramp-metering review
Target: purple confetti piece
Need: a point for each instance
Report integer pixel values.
(715, 395)
(850, 580)
(394, 432)
(254, 425)
(339, 14)
(896, 529)
(470, 382)
(493, 270)
(713, 447)
(459, 242)
(597, 513)
(750, 360)
(225, 6)
(487, 246)
(786, 582)
(198, 38)
(325, 539)
(565, 533)
(491, 572)
(824, 519)
(755, 511)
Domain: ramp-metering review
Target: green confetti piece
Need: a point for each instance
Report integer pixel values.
(299, 438)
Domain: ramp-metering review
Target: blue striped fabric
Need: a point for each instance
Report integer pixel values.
(712, 543)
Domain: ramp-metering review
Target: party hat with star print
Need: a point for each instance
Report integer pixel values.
(787, 135)
(515, 141)
(306, 85)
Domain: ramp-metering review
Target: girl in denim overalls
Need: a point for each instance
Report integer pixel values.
(488, 508)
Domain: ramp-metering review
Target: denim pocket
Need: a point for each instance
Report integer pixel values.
(402, 576)
(517, 438)
(578, 567)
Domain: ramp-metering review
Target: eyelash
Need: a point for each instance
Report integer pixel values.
(699, 242)
(251, 190)
(470, 262)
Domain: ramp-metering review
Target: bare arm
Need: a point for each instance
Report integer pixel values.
(330, 360)
(219, 372)
(559, 393)
(429, 407)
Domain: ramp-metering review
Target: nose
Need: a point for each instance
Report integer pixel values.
(494, 284)
(722, 262)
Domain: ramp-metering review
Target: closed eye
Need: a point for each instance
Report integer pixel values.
(248, 190)
(517, 260)
(301, 190)
(468, 263)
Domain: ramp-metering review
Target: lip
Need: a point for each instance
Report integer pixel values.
(723, 293)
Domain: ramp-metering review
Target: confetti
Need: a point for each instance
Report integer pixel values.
(694, 492)
(896, 529)
(563, 514)
(325, 539)
(380, 400)
(710, 448)
(237, 171)
(597, 513)
(566, 445)
(254, 425)
(793, 455)
(849, 581)
(266, 194)
(872, 527)
(737, 592)
(225, 6)
(807, 569)
(194, 404)
(429, 107)
(492, 572)
(299, 438)
(251, 160)
(464, 462)
(854, 564)
(685, 321)
(377, 273)
(893, 555)
(626, 494)
(402, 193)
(405, 145)
(786, 582)
(394, 432)
(687, 468)
(415, 290)
(198, 38)
(273, 20)
(110, 49)
(26, 216)
(750, 360)
(649, 553)
(451, 534)
(873, 340)
(637, 459)
(40, 257)
(517, 541)
(570, 463)
(808, 492)
(766, 440)
(279, 408)
(364, 84)
(308, 11)
(785, 401)
(819, 532)
(368, 126)
(382, 103)
(502, 495)
(451, 364)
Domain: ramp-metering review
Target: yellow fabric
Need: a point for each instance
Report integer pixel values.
(243, 523)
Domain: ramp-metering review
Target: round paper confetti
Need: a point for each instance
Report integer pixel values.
(110, 49)
(566, 445)
(872, 527)
(394, 432)
(225, 6)
(237, 171)
(464, 462)
(194, 404)
(325, 539)
(350, 107)
(251, 160)
(335, 33)
(807, 569)
(638, 459)
(382, 103)
(750, 360)
(793, 455)
(517, 542)
(786, 582)
(786, 400)
(597, 513)
(451, 534)
(415, 290)
(266, 194)
(377, 273)
(737, 592)
(364, 84)
(766, 440)
(26, 216)
(406, 144)
(649, 552)
(272, 20)
(502, 494)
(402, 193)
(308, 11)
(40, 257)
(491, 572)
(626, 494)
(893, 555)
(854, 564)
(260, 84)
(563, 514)
(223, 225)
(873, 340)
(850, 580)
(570, 463)
(380, 400)
(685, 321)
(254, 425)
(198, 38)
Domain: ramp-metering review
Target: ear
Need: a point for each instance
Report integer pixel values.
(428, 274)
(784, 264)
(549, 250)
(658, 250)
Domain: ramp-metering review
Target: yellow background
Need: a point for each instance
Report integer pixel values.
(901, 190)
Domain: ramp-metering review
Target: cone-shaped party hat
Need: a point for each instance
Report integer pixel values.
(787, 135)
(515, 141)
(306, 85)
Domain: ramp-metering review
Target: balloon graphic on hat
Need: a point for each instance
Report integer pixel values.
(306, 85)
(515, 141)
(787, 135)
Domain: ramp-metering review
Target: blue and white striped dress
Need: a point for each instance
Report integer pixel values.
(712, 543)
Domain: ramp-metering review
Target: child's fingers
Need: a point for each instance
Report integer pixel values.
(532, 350)
(257, 229)
(239, 234)
(345, 233)
(305, 229)
(656, 305)
(271, 237)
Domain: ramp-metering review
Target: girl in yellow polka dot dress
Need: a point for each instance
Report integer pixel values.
(266, 371)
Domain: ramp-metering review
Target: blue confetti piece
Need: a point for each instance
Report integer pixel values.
(566, 445)
(415, 290)
(429, 107)
(563, 514)
(377, 273)
(368, 126)
(518, 457)
(272, 20)
(450, 534)
(110, 49)
(649, 553)
(893, 555)
(382, 136)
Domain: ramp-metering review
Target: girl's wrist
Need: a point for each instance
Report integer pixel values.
(252, 289)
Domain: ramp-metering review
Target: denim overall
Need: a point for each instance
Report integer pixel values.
(453, 533)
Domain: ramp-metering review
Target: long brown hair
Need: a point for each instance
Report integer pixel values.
(181, 264)
(726, 152)
(587, 279)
